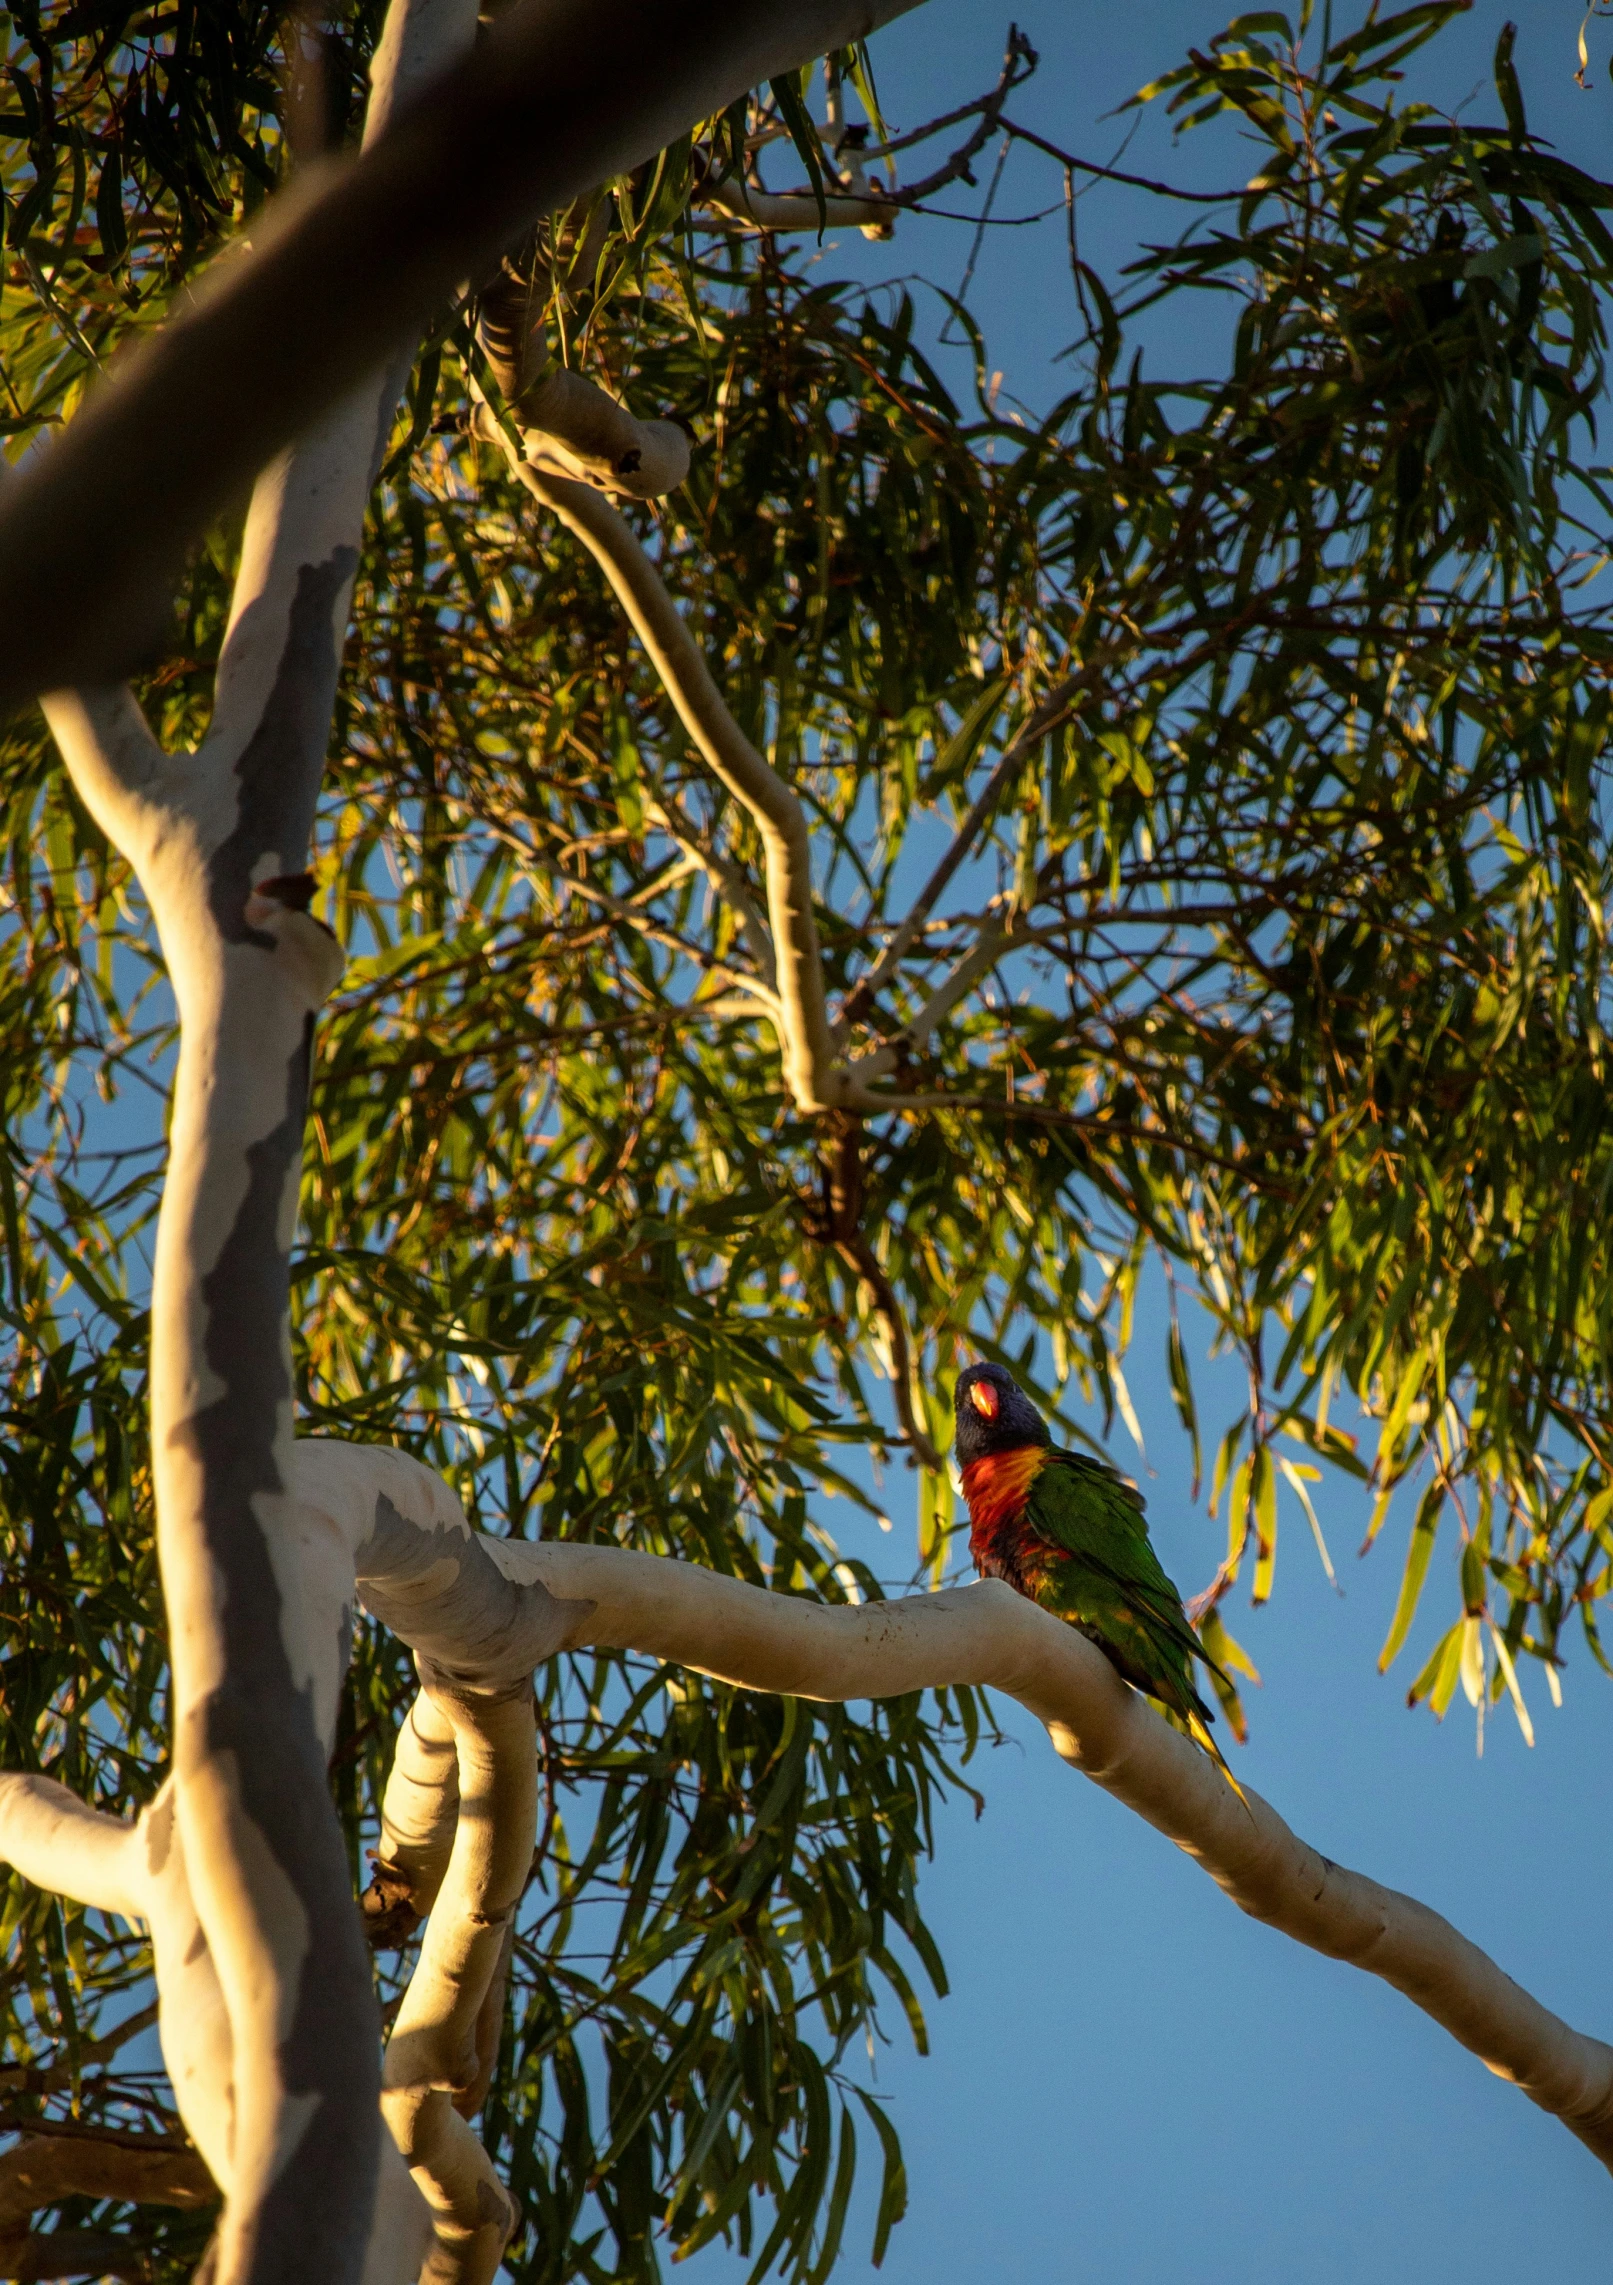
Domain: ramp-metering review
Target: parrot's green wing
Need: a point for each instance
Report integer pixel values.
(1111, 1583)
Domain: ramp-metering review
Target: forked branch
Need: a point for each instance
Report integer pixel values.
(988, 1636)
(815, 1079)
(557, 98)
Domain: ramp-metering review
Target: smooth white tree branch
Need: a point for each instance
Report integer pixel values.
(818, 1077)
(572, 426)
(815, 1080)
(986, 1635)
(112, 757)
(59, 1843)
(419, 1810)
(435, 2064)
(748, 208)
(561, 95)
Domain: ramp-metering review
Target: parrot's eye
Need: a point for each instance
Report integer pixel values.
(984, 1399)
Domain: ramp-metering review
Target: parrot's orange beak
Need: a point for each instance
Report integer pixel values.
(984, 1399)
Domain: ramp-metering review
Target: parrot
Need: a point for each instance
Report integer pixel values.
(1068, 1533)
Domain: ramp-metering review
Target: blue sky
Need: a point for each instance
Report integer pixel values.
(1130, 2081)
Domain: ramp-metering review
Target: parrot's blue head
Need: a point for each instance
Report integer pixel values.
(993, 1414)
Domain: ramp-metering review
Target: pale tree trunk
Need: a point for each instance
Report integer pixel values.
(219, 840)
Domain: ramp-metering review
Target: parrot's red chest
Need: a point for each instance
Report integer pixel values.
(996, 1488)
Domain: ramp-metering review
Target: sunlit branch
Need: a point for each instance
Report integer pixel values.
(70, 2158)
(340, 271)
(815, 1080)
(108, 746)
(436, 2068)
(987, 1635)
(56, 1841)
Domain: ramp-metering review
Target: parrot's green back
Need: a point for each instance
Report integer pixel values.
(1068, 1532)
(1101, 1573)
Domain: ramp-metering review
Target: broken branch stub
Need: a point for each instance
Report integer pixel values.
(568, 423)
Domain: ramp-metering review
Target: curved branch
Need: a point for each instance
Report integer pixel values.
(112, 757)
(814, 1078)
(436, 2065)
(59, 1843)
(569, 422)
(560, 95)
(419, 1811)
(987, 1635)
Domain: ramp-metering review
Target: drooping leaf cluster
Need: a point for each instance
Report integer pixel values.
(1276, 962)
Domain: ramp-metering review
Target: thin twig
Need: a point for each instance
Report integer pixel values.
(1054, 709)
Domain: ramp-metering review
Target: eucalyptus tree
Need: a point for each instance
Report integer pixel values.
(833, 881)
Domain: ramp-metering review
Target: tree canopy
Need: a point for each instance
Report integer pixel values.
(1206, 795)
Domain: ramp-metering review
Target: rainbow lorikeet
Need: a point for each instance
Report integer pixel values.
(1069, 1533)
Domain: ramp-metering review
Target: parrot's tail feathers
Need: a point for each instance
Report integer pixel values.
(1201, 1736)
